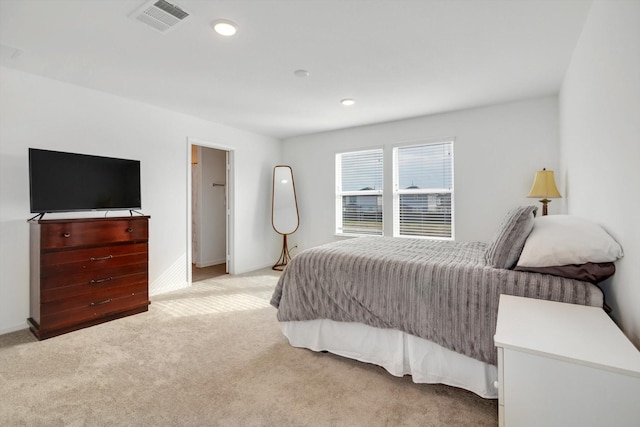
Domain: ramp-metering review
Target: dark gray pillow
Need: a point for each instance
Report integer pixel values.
(593, 272)
(507, 243)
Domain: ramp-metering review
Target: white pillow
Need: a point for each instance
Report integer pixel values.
(566, 239)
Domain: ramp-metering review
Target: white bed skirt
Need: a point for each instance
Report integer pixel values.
(398, 352)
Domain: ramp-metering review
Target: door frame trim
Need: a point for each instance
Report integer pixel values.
(230, 195)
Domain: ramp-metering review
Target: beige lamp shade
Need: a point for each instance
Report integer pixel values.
(544, 185)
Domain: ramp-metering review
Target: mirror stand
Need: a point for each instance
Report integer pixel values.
(284, 256)
(284, 210)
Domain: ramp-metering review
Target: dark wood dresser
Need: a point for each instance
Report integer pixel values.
(87, 271)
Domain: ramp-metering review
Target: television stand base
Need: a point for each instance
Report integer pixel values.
(36, 217)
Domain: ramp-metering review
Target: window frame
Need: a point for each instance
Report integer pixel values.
(339, 194)
(397, 191)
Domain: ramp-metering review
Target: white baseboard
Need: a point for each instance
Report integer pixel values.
(255, 268)
(209, 263)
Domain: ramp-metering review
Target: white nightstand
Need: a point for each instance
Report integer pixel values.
(564, 365)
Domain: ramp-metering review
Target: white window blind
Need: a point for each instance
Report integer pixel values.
(423, 190)
(359, 192)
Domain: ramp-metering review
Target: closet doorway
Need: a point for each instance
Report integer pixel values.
(209, 209)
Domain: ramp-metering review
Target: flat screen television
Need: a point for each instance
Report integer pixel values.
(70, 182)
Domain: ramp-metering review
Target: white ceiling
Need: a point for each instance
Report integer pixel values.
(397, 59)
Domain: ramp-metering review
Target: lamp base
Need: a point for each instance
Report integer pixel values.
(544, 202)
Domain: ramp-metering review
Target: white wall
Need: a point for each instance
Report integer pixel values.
(44, 113)
(497, 150)
(600, 143)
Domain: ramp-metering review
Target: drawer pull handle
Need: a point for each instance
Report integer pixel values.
(93, 304)
(101, 258)
(96, 281)
(67, 235)
(129, 230)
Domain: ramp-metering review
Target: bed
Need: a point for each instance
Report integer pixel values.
(424, 308)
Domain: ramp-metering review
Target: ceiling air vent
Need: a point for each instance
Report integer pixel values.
(160, 15)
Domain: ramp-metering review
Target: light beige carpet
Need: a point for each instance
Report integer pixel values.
(211, 355)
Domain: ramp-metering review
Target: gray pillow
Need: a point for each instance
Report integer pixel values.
(594, 272)
(506, 245)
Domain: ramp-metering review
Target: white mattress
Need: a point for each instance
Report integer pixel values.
(398, 352)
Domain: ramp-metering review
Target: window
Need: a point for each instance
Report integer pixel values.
(359, 192)
(422, 195)
(423, 190)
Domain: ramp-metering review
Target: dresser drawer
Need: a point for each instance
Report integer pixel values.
(60, 280)
(82, 260)
(95, 256)
(93, 298)
(57, 235)
(109, 283)
(100, 308)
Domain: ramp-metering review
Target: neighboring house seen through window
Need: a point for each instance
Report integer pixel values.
(422, 191)
(359, 193)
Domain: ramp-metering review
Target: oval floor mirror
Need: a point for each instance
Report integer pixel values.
(284, 210)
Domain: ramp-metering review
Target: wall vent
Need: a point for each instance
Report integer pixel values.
(160, 15)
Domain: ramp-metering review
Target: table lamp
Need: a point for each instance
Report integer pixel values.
(544, 185)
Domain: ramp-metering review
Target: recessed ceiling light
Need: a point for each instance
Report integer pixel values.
(348, 102)
(301, 73)
(224, 27)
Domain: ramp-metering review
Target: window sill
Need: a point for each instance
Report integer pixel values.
(350, 236)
